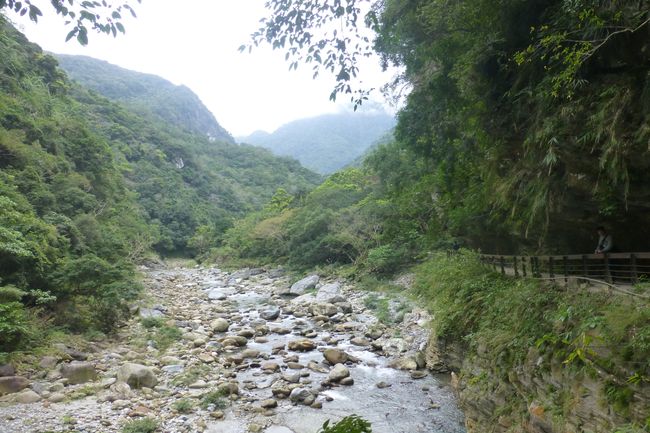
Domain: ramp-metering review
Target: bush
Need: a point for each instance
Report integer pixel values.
(385, 259)
(13, 325)
(144, 425)
(349, 424)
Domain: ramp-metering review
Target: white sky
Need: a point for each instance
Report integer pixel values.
(195, 43)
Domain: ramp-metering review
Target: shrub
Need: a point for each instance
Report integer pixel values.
(13, 325)
(144, 425)
(349, 424)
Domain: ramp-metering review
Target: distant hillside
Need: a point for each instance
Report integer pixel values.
(145, 94)
(326, 143)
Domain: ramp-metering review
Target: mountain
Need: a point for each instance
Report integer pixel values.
(145, 94)
(329, 142)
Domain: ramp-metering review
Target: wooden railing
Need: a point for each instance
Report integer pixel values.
(612, 268)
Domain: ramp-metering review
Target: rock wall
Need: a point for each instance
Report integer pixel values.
(542, 395)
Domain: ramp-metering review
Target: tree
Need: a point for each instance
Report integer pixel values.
(325, 34)
(103, 17)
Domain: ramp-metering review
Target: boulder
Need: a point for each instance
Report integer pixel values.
(302, 396)
(78, 372)
(150, 313)
(335, 356)
(7, 370)
(271, 313)
(302, 345)
(216, 295)
(338, 373)
(220, 325)
(27, 396)
(330, 293)
(323, 309)
(12, 384)
(137, 376)
(299, 287)
(405, 363)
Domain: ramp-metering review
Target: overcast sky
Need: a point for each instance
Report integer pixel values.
(195, 43)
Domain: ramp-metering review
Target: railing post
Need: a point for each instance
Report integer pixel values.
(608, 272)
(551, 272)
(514, 260)
(565, 259)
(503, 266)
(635, 276)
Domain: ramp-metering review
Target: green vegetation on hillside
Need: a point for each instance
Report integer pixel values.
(88, 188)
(527, 122)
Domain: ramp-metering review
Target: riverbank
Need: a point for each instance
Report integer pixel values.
(236, 352)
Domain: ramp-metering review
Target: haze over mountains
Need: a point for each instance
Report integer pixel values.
(145, 94)
(329, 142)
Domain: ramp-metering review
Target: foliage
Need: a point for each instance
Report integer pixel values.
(101, 17)
(349, 424)
(183, 405)
(214, 398)
(144, 425)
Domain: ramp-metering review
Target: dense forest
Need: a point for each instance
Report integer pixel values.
(527, 125)
(88, 187)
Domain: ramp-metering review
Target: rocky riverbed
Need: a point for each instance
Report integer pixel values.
(212, 351)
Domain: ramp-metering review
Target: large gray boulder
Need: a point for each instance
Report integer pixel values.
(338, 373)
(330, 293)
(323, 309)
(137, 376)
(219, 325)
(78, 372)
(299, 287)
(7, 370)
(12, 384)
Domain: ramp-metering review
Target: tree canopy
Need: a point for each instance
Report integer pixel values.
(101, 16)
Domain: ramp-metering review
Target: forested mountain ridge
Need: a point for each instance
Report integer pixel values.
(88, 187)
(146, 94)
(328, 142)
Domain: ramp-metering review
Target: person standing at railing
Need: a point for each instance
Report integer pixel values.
(605, 242)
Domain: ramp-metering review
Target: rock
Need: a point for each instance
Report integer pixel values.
(72, 353)
(301, 395)
(216, 295)
(299, 287)
(291, 377)
(303, 345)
(78, 372)
(220, 325)
(150, 313)
(339, 372)
(335, 356)
(173, 369)
(382, 385)
(7, 370)
(330, 293)
(418, 374)
(345, 307)
(199, 384)
(137, 376)
(250, 353)
(229, 388)
(48, 362)
(243, 274)
(27, 396)
(347, 381)
(12, 384)
(405, 363)
(217, 414)
(57, 397)
(270, 366)
(269, 404)
(270, 313)
(359, 341)
(323, 309)
(276, 273)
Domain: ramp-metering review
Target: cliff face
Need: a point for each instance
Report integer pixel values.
(541, 395)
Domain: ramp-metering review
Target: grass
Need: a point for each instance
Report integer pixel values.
(191, 375)
(183, 406)
(144, 425)
(162, 334)
(216, 398)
